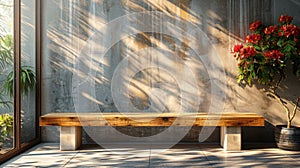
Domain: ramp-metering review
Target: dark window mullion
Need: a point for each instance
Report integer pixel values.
(38, 37)
(17, 69)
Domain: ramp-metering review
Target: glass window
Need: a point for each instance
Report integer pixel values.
(6, 76)
(18, 116)
(28, 73)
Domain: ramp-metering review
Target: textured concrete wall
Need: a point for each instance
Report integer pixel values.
(69, 39)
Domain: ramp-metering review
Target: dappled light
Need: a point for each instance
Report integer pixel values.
(181, 155)
(145, 83)
(82, 57)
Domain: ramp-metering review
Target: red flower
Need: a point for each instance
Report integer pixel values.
(237, 48)
(275, 54)
(285, 19)
(247, 51)
(253, 38)
(254, 25)
(288, 30)
(271, 29)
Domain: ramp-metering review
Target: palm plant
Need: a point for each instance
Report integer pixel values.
(6, 51)
(6, 61)
(27, 76)
(27, 81)
(4, 104)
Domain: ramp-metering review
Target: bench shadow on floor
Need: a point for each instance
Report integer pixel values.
(139, 155)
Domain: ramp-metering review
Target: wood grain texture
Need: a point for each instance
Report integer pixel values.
(151, 119)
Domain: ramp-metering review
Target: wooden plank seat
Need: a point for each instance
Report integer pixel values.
(230, 123)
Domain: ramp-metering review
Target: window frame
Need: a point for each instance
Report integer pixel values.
(19, 147)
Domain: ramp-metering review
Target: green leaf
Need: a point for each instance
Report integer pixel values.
(240, 78)
(249, 80)
(6, 123)
(6, 51)
(265, 47)
(280, 42)
(27, 79)
(257, 47)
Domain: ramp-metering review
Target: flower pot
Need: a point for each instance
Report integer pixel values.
(287, 138)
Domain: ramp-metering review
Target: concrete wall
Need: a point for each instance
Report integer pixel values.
(187, 67)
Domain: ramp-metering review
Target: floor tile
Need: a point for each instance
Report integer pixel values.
(181, 155)
(145, 155)
(128, 156)
(42, 155)
(270, 157)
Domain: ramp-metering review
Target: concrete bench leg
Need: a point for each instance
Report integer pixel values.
(231, 138)
(70, 138)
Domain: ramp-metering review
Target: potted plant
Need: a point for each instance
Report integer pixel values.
(263, 58)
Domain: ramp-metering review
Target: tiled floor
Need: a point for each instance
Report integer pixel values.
(181, 155)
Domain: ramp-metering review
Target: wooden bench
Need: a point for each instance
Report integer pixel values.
(71, 124)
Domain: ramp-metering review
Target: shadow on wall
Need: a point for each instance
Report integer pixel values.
(149, 86)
